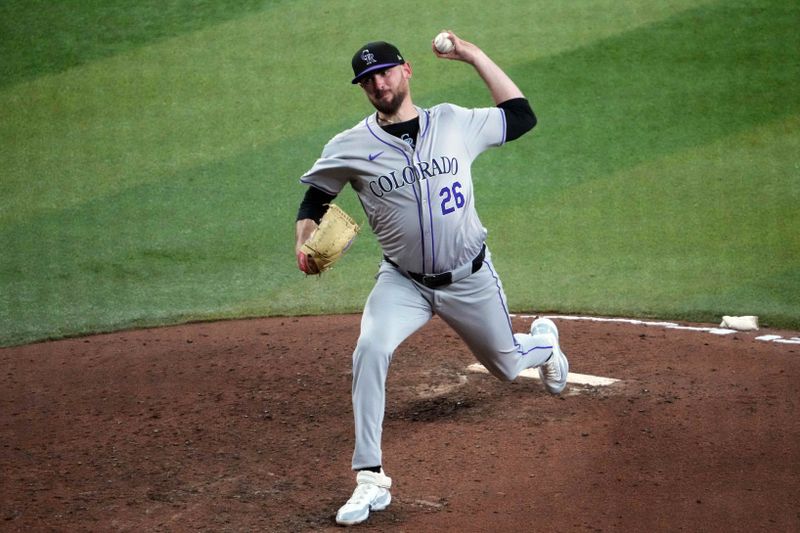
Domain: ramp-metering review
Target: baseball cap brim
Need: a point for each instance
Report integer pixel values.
(373, 68)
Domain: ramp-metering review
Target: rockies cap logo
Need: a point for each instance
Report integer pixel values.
(368, 57)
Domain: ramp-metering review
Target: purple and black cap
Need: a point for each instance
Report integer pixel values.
(373, 56)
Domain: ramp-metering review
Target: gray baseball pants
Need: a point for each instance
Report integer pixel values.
(474, 307)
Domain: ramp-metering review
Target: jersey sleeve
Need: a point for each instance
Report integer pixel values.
(330, 173)
(482, 128)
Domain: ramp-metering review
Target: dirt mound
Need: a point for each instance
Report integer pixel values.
(247, 425)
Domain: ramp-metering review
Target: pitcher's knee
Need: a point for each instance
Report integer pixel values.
(502, 372)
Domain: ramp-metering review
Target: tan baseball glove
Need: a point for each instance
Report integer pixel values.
(330, 240)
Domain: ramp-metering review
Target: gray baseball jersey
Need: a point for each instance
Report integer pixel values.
(419, 201)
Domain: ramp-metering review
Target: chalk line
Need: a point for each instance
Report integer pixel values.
(666, 325)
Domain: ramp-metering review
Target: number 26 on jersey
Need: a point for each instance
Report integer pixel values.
(452, 198)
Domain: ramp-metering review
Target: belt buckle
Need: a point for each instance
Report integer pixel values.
(437, 280)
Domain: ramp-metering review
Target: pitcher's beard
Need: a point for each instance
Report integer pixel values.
(392, 106)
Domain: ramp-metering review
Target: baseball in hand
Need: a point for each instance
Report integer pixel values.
(443, 43)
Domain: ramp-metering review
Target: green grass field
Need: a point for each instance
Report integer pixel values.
(150, 153)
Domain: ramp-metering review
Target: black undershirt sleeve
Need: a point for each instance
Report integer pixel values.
(314, 205)
(519, 117)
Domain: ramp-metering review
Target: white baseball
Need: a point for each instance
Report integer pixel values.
(443, 43)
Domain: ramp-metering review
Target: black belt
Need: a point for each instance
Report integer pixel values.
(435, 281)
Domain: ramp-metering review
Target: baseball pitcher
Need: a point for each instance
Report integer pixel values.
(411, 169)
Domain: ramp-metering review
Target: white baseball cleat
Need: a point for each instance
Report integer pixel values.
(371, 494)
(554, 371)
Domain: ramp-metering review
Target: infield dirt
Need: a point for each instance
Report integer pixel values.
(247, 425)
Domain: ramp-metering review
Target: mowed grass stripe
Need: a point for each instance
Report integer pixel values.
(41, 37)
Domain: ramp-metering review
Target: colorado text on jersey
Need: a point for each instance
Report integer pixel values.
(413, 173)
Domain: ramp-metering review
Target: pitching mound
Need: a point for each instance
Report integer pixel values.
(247, 425)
